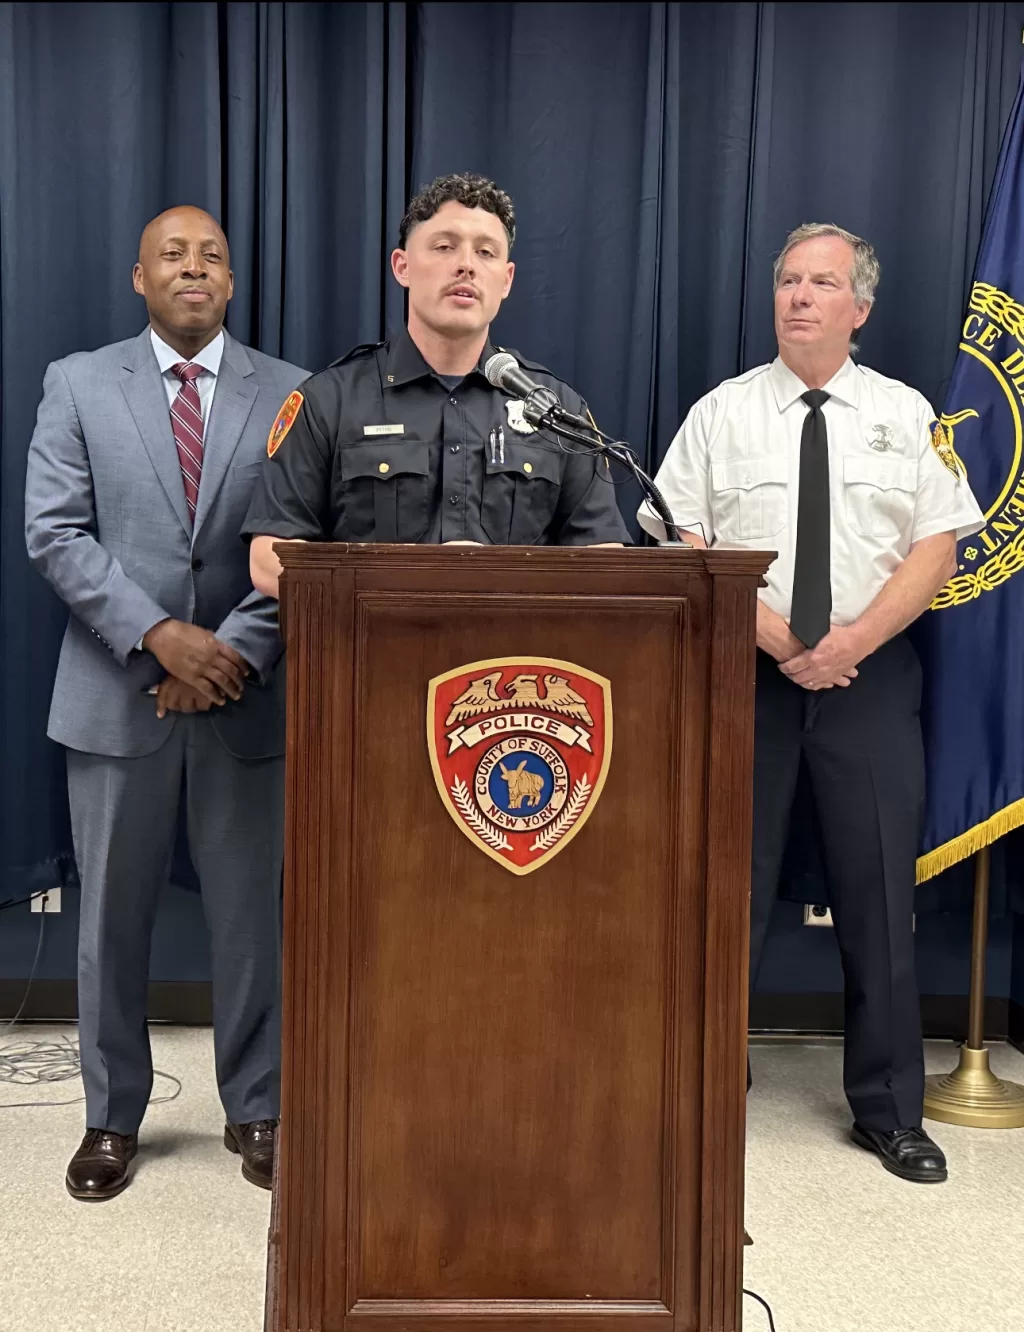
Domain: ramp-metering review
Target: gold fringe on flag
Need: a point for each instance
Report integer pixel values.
(974, 839)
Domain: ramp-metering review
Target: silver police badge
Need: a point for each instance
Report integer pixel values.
(882, 441)
(516, 420)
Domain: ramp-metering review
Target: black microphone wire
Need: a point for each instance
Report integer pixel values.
(764, 1305)
(19, 901)
(569, 426)
(624, 454)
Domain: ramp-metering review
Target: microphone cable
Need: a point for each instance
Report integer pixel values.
(624, 454)
(764, 1305)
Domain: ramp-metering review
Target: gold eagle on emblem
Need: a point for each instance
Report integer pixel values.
(559, 696)
(477, 697)
(481, 696)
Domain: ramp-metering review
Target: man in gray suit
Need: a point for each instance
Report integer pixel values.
(170, 685)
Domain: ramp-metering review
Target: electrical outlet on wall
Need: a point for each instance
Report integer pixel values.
(48, 901)
(821, 915)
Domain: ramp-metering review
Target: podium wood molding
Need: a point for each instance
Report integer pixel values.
(315, 698)
(726, 951)
(446, 1024)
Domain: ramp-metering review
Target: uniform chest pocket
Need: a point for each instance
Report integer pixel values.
(385, 490)
(879, 495)
(520, 494)
(751, 498)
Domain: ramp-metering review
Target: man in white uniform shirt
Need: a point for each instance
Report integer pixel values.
(831, 465)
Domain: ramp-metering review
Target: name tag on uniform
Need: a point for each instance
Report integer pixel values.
(384, 430)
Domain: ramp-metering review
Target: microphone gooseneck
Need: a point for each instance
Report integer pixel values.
(541, 407)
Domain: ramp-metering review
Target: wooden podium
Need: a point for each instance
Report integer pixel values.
(513, 1099)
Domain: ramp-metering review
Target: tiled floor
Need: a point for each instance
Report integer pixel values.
(840, 1246)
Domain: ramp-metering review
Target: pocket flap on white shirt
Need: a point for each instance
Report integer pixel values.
(882, 473)
(746, 473)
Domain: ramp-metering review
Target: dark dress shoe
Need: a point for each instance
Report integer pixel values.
(255, 1144)
(99, 1169)
(908, 1153)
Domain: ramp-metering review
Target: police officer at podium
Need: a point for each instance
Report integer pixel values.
(847, 475)
(406, 441)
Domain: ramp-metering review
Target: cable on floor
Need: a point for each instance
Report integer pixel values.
(765, 1305)
(28, 1063)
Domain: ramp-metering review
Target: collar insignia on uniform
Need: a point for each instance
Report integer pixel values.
(283, 423)
(882, 441)
(516, 420)
(520, 748)
(384, 430)
(942, 442)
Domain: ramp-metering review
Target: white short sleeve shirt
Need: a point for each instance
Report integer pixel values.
(732, 475)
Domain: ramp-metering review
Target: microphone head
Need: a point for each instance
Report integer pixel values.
(497, 366)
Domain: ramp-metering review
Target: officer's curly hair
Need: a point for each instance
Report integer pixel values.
(471, 190)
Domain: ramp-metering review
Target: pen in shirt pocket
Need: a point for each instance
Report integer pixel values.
(492, 439)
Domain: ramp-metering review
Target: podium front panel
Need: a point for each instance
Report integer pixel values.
(496, 1100)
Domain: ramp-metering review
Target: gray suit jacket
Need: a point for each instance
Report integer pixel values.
(107, 527)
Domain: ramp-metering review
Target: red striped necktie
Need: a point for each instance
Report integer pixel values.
(187, 424)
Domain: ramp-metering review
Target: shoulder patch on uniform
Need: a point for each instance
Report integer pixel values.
(942, 442)
(289, 411)
(361, 350)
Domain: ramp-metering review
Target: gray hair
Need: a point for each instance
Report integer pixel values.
(866, 270)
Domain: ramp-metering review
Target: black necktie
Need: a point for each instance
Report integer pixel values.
(812, 581)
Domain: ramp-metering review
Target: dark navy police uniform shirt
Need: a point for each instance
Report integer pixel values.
(383, 449)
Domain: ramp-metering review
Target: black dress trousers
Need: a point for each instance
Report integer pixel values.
(864, 755)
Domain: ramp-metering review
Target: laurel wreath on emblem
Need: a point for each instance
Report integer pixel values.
(469, 811)
(574, 807)
(965, 587)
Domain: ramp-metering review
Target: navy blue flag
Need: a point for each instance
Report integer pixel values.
(972, 639)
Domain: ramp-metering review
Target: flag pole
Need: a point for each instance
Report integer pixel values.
(972, 1095)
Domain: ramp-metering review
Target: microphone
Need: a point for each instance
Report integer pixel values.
(504, 372)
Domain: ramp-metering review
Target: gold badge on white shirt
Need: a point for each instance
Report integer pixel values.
(516, 420)
(881, 441)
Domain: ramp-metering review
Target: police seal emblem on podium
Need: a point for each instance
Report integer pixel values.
(520, 748)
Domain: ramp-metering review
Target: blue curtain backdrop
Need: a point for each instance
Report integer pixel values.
(657, 153)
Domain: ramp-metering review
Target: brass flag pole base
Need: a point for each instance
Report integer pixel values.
(972, 1095)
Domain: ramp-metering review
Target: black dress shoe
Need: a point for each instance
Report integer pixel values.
(255, 1144)
(908, 1153)
(99, 1169)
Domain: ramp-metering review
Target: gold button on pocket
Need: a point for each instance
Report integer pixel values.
(527, 467)
(384, 467)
